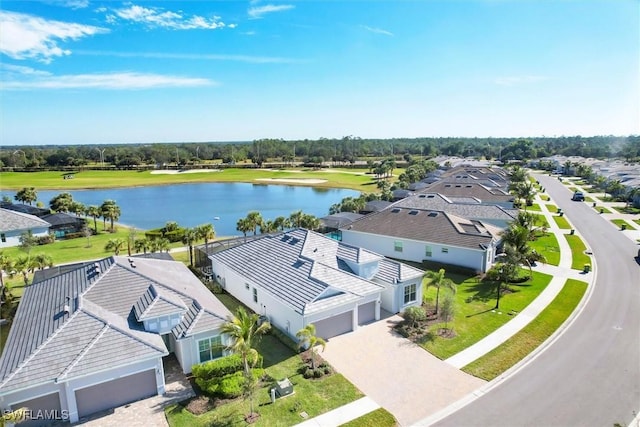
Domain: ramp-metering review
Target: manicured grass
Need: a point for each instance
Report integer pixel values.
(336, 178)
(562, 222)
(547, 245)
(534, 207)
(637, 221)
(378, 418)
(541, 220)
(573, 189)
(474, 315)
(578, 257)
(589, 199)
(544, 197)
(552, 208)
(602, 209)
(314, 396)
(628, 210)
(621, 222)
(531, 336)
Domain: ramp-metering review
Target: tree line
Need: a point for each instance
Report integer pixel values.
(340, 151)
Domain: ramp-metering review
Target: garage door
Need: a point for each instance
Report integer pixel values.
(366, 313)
(335, 325)
(43, 408)
(116, 393)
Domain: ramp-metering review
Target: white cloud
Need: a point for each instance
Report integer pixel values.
(73, 4)
(117, 81)
(257, 12)
(378, 30)
(199, 57)
(25, 36)
(517, 80)
(159, 18)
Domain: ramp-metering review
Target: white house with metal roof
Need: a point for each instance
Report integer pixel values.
(13, 224)
(93, 338)
(418, 235)
(300, 277)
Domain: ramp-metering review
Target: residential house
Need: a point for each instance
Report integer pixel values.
(300, 277)
(419, 235)
(13, 224)
(63, 224)
(482, 193)
(93, 338)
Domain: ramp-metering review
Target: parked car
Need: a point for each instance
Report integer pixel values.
(578, 196)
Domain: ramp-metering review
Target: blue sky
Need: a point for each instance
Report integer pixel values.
(84, 71)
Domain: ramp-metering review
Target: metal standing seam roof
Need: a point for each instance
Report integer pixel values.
(298, 267)
(18, 221)
(427, 226)
(83, 320)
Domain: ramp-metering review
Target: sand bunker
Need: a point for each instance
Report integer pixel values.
(175, 172)
(293, 180)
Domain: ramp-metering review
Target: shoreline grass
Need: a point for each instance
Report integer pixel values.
(531, 336)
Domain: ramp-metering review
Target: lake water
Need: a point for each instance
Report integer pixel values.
(193, 204)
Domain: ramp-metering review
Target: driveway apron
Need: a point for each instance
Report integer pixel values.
(397, 374)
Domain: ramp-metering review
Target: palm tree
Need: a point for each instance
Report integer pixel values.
(242, 331)
(114, 245)
(159, 244)
(42, 260)
(190, 236)
(631, 195)
(516, 241)
(6, 266)
(308, 339)
(77, 208)
(24, 265)
(206, 232)
(268, 227)
(255, 220)
(111, 211)
(27, 195)
(94, 212)
(567, 167)
(243, 226)
(142, 245)
(295, 219)
(61, 203)
(439, 280)
(281, 223)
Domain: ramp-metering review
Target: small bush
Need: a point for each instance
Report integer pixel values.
(45, 240)
(228, 386)
(414, 315)
(220, 367)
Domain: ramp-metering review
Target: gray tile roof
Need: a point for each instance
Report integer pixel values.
(99, 330)
(484, 194)
(18, 221)
(439, 202)
(305, 270)
(427, 226)
(155, 303)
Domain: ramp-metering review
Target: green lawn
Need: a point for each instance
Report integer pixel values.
(552, 208)
(589, 199)
(378, 418)
(578, 257)
(541, 220)
(531, 336)
(544, 197)
(621, 222)
(573, 189)
(474, 315)
(628, 210)
(356, 179)
(547, 245)
(562, 222)
(637, 221)
(534, 207)
(315, 396)
(602, 209)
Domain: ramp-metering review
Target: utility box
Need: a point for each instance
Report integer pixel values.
(284, 387)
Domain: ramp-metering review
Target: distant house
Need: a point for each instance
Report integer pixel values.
(375, 206)
(93, 338)
(331, 224)
(482, 193)
(27, 209)
(13, 224)
(300, 277)
(63, 224)
(418, 235)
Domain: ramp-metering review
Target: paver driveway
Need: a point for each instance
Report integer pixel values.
(401, 377)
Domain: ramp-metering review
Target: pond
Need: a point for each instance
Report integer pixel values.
(220, 204)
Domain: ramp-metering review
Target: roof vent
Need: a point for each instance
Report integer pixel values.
(131, 263)
(422, 196)
(66, 307)
(395, 210)
(433, 214)
(458, 186)
(430, 196)
(96, 268)
(413, 213)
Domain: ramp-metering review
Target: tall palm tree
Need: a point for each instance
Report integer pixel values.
(439, 280)
(6, 266)
(516, 241)
(242, 331)
(296, 218)
(268, 226)
(159, 244)
(206, 232)
(27, 195)
(281, 223)
(243, 226)
(24, 266)
(142, 245)
(310, 222)
(308, 339)
(42, 260)
(114, 245)
(111, 211)
(61, 203)
(94, 212)
(190, 236)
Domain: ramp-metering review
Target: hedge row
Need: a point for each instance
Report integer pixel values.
(220, 367)
(172, 236)
(228, 386)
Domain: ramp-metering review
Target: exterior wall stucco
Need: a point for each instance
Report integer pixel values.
(12, 237)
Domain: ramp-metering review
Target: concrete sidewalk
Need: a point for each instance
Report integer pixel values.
(343, 414)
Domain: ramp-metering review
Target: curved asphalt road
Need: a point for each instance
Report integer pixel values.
(590, 376)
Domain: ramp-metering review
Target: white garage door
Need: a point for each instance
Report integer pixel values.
(44, 409)
(333, 326)
(366, 313)
(116, 393)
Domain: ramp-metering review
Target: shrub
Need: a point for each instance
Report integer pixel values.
(45, 240)
(220, 367)
(228, 386)
(414, 315)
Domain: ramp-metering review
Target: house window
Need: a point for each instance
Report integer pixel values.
(3, 237)
(255, 295)
(210, 348)
(427, 251)
(409, 294)
(445, 250)
(397, 246)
